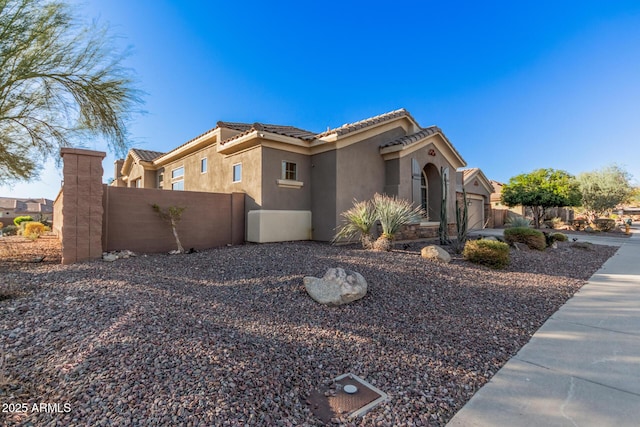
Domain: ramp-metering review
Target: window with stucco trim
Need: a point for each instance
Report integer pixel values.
(177, 173)
(203, 165)
(237, 172)
(178, 185)
(289, 171)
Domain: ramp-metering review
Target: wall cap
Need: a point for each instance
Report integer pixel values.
(82, 152)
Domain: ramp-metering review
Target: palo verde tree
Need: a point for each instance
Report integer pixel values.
(602, 190)
(60, 82)
(540, 190)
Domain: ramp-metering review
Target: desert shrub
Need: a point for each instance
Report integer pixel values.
(559, 237)
(33, 229)
(20, 219)
(10, 230)
(554, 222)
(517, 221)
(47, 228)
(491, 253)
(358, 221)
(393, 213)
(534, 239)
(604, 224)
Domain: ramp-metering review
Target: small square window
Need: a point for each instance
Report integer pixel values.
(237, 172)
(289, 171)
(203, 165)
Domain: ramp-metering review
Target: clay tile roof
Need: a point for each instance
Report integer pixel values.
(246, 128)
(414, 137)
(352, 127)
(468, 172)
(242, 127)
(146, 155)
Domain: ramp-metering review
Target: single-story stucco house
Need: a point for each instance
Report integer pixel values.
(298, 182)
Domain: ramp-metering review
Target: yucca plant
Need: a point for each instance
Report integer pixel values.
(393, 213)
(358, 220)
(517, 221)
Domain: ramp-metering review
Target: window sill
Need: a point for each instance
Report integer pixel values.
(288, 183)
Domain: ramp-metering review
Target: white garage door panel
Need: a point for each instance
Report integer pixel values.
(476, 214)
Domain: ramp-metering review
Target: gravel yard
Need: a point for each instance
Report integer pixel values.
(229, 336)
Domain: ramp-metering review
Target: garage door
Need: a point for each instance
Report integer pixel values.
(476, 213)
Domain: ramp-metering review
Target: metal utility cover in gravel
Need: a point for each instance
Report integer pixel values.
(332, 404)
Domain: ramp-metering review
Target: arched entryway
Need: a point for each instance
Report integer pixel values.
(431, 191)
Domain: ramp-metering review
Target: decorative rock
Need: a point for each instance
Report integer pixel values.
(435, 253)
(114, 255)
(336, 287)
(109, 257)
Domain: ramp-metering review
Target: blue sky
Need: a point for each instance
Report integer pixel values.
(515, 86)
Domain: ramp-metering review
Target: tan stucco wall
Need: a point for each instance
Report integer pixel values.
(360, 170)
(219, 175)
(265, 226)
(275, 196)
(438, 161)
(323, 202)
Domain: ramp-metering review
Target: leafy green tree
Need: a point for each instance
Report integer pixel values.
(60, 82)
(540, 190)
(602, 190)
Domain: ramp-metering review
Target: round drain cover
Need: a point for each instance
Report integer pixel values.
(350, 389)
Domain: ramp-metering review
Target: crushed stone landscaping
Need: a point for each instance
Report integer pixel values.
(230, 337)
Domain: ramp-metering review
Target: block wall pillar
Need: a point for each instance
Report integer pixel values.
(82, 209)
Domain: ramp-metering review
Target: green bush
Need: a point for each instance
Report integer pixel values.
(33, 229)
(604, 224)
(559, 237)
(10, 230)
(491, 253)
(534, 239)
(20, 219)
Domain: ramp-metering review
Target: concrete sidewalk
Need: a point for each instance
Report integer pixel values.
(582, 367)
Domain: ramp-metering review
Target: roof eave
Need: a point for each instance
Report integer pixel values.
(210, 137)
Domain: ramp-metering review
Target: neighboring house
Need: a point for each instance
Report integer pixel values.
(10, 208)
(479, 192)
(298, 182)
(500, 211)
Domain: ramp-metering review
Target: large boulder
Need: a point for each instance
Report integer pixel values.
(435, 253)
(336, 287)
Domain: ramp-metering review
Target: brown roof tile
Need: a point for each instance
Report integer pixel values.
(352, 127)
(414, 137)
(146, 155)
(246, 128)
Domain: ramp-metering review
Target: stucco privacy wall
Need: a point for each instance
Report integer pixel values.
(264, 226)
(209, 219)
(80, 205)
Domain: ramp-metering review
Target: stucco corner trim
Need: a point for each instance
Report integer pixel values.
(288, 183)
